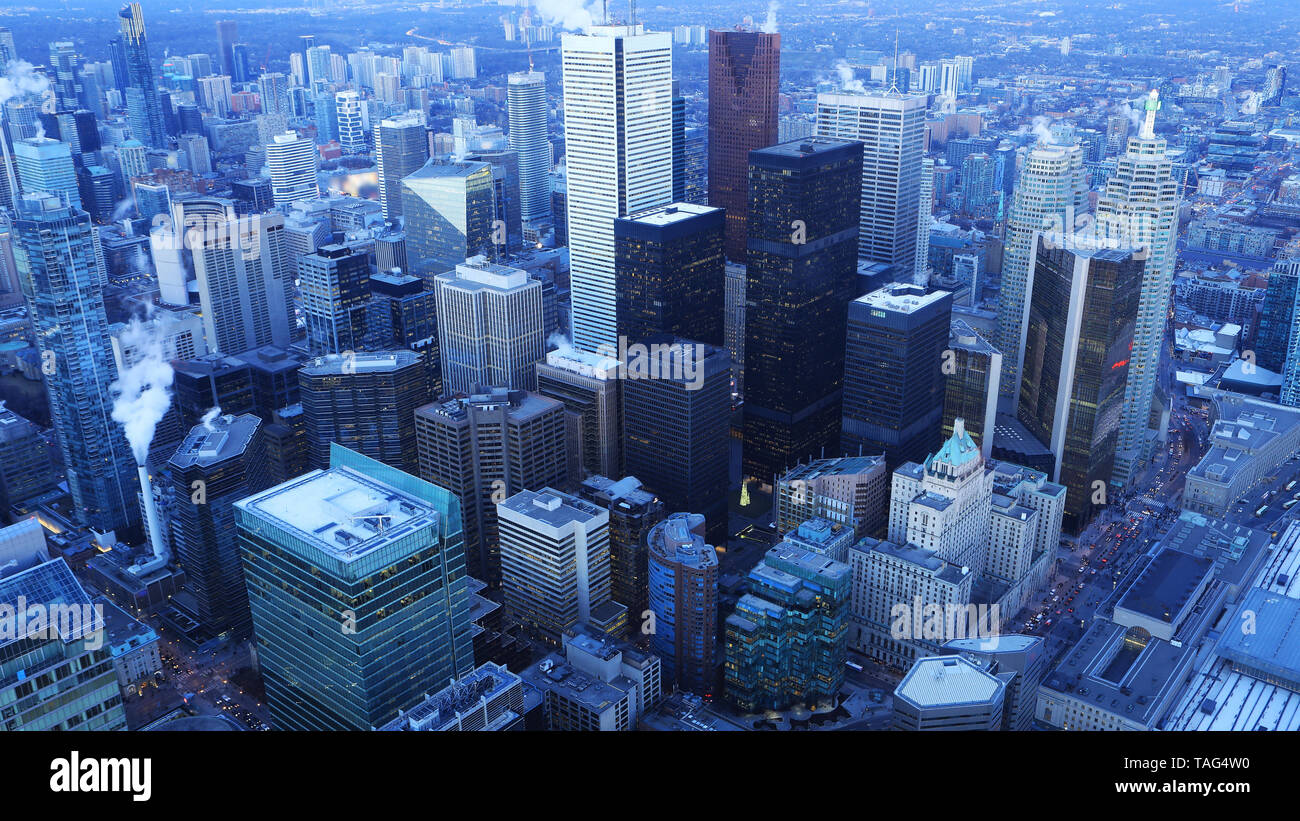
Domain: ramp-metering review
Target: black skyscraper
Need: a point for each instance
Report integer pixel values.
(804, 199)
(893, 373)
(670, 273)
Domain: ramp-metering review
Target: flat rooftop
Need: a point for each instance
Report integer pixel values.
(341, 512)
(664, 215)
(1166, 584)
(947, 681)
(901, 298)
(223, 438)
(553, 507)
(1273, 649)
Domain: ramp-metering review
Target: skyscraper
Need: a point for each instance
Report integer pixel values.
(66, 65)
(669, 272)
(971, 370)
(485, 448)
(618, 147)
(891, 128)
(526, 107)
(274, 88)
(1277, 315)
(352, 137)
(677, 427)
(447, 210)
(365, 402)
(683, 597)
(218, 463)
(1083, 307)
(335, 286)
(46, 165)
(292, 161)
(588, 386)
(633, 511)
(401, 149)
(801, 276)
(227, 36)
(144, 110)
(365, 650)
(55, 257)
(1139, 209)
(744, 83)
(1050, 193)
(489, 327)
(893, 372)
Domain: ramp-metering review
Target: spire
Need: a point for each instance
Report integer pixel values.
(1152, 105)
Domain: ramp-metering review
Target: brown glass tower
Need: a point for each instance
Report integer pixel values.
(744, 80)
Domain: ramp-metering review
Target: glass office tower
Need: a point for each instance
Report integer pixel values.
(357, 585)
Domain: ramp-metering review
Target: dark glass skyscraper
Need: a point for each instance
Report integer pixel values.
(216, 465)
(893, 377)
(55, 256)
(669, 273)
(802, 269)
(1277, 316)
(1082, 313)
(744, 80)
(144, 111)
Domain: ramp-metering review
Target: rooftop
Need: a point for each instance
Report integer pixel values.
(948, 681)
(1166, 585)
(216, 441)
(901, 298)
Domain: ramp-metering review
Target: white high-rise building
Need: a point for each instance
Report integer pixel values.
(352, 137)
(318, 64)
(462, 63)
(555, 561)
(274, 88)
(489, 327)
(619, 155)
(891, 127)
(292, 160)
(527, 107)
(1139, 208)
(1050, 194)
(924, 215)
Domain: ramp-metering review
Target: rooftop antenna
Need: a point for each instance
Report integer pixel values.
(631, 12)
(528, 40)
(893, 82)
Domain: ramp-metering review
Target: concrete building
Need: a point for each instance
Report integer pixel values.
(489, 327)
(948, 693)
(851, 491)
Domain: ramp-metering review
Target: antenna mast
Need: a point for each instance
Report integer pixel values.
(893, 83)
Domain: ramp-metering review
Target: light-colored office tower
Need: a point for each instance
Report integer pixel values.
(949, 693)
(924, 216)
(463, 65)
(45, 165)
(214, 94)
(489, 327)
(891, 129)
(447, 214)
(195, 149)
(555, 564)
(310, 547)
(1139, 209)
(65, 68)
(1050, 195)
(401, 149)
(526, 107)
(133, 157)
(241, 272)
(619, 156)
(352, 135)
(274, 93)
(292, 161)
(318, 64)
(484, 448)
(944, 504)
(588, 386)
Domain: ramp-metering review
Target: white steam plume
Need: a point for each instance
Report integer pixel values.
(1041, 128)
(573, 15)
(142, 391)
(210, 417)
(20, 78)
(769, 25)
(848, 81)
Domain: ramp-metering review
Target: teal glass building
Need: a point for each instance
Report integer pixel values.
(786, 641)
(357, 587)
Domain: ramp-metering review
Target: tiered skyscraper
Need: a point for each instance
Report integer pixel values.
(744, 83)
(401, 149)
(618, 145)
(1051, 191)
(1139, 209)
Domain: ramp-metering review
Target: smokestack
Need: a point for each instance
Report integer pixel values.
(151, 516)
